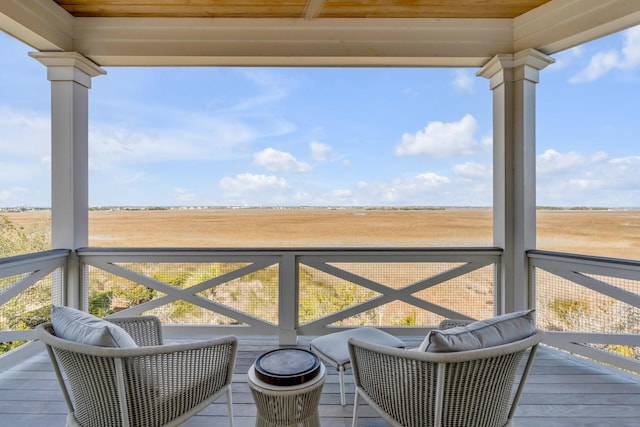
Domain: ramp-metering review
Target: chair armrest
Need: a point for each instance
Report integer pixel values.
(145, 330)
(409, 387)
(177, 377)
(394, 382)
(186, 364)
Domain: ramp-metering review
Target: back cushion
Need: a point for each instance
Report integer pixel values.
(491, 332)
(75, 325)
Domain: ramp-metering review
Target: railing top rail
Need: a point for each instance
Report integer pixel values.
(118, 251)
(30, 262)
(33, 257)
(536, 254)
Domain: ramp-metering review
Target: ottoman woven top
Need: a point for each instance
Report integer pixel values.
(334, 346)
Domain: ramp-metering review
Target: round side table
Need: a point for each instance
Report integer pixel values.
(286, 405)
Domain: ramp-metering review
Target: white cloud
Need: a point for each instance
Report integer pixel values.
(553, 161)
(279, 161)
(487, 143)
(21, 170)
(182, 195)
(218, 139)
(411, 189)
(601, 63)
(565, 58)
(320, 151)
(273, 87)
(463, 81)
(302, 197)
(441, 139)
(626, 161)
(623, 173)
(574, 179)
(24, 133)
(250, 182)
(342, 192)
(167, 132)
(473, 170)
(13, 194)
(25, 161)
(631, 48)
(627, 58)
(430, 180)
(410, 91)
(585, 184)
(129, 178)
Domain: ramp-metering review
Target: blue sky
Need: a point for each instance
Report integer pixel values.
(327, 136)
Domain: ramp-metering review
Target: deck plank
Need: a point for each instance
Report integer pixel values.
(562, 391)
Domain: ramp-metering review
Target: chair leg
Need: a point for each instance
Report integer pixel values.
(229, 406)
(341, 372)
(355, 409)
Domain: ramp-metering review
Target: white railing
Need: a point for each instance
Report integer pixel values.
(589, 305)
(291, 292)
(28, 283)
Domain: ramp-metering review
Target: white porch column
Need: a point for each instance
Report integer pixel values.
(70, 74)
(512, 80)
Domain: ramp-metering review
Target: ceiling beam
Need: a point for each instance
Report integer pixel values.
(41, 24)
(330, 42)
(313, 41)
(560, 25)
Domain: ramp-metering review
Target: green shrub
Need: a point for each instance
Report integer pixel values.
(565, 309)
(100, 303)
(31, 319)
(23, 322)
(409, 320)
(134, 294)
(622, 350)
(320, 299)
(180, 309)
(18, 240)
(173, 278)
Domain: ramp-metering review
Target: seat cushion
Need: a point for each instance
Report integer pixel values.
(77, 326)
(333, 348)
(491, 332)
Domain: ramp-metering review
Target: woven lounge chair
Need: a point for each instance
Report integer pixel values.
(152, 385)
(422, 389)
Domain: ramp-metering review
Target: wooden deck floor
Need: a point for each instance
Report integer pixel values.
(562, 390)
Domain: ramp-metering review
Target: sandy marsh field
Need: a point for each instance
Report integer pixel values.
(611, 233)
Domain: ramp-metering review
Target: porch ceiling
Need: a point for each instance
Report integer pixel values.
(310, 32)
(308, 9)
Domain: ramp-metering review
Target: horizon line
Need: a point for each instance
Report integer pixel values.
(328, 207)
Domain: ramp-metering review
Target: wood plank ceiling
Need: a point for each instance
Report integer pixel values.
(308, 9)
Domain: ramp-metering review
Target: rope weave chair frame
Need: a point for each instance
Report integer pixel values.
(152, 385)
(421, 389)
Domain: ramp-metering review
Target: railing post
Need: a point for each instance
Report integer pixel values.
(513, 78)
(70, 74)
(288, 295)
(73, 295)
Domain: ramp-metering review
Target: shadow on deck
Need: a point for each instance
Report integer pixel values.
(562, 390)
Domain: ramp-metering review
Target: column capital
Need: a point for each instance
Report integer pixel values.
(521, 65)
(68, 66)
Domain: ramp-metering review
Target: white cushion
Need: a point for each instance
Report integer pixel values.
(77, 326)
(491, 332)
(333, 347)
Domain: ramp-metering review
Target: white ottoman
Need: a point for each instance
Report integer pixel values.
(333, 349)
